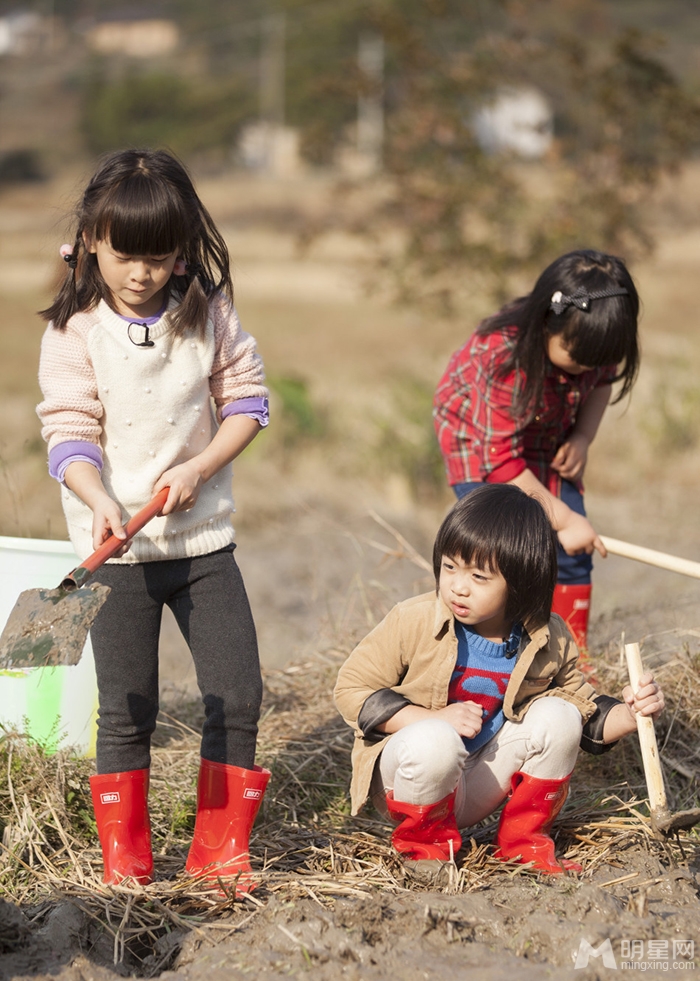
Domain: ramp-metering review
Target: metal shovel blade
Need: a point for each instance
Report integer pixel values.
(680, 821)
(50, 626)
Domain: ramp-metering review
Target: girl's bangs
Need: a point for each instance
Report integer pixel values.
(142, 217)
(598, 340)
(473, 549)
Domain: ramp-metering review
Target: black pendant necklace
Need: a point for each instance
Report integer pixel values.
(146, 342)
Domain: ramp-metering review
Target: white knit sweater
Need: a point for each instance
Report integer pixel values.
(148, 409)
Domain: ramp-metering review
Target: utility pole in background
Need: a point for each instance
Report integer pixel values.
(272, 69)
(370, 104)
(269, 146)
(272, 134)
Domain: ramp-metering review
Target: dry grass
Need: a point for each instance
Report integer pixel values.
(305, 844)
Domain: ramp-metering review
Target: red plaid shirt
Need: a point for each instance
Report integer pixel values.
(479, 438)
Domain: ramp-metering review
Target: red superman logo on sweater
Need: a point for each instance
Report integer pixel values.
(461, 690)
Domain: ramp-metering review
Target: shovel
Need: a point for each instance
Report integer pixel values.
(662, 821)
(50, 626)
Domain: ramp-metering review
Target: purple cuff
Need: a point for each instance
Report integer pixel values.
(256, 408)
(73, 451)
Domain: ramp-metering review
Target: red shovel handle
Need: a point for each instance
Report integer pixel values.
(108, 548)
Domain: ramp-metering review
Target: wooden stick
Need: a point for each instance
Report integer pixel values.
(660, 559)
(660, 813)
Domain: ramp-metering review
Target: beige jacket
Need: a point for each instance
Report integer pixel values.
(414, 651)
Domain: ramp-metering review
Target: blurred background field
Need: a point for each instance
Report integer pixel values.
(370, 231)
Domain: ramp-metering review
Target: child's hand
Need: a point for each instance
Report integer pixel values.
(465, 717)
(570, 459)
(185, 482)
(84, 480)
(621, 720)
(648, 699)
(106, 521)
(578, 535)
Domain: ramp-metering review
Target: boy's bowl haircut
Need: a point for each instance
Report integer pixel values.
(501, 528)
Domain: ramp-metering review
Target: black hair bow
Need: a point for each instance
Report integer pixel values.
(582, 298)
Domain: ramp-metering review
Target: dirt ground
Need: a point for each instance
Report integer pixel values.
(528, 929)
(306, 525)
(636, 904)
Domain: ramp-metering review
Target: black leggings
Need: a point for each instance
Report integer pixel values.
(209, 601)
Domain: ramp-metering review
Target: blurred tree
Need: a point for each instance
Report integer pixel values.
(204, 12)
(159, 109)
(443, 213)
(193, 102)
(441, 216)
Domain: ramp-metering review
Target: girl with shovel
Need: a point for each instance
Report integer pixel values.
(522, 400)
(143, 338)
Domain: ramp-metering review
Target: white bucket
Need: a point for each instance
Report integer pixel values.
(55, 706)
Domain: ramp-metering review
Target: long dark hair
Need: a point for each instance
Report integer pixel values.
(501, 528)
(604, 334)
(144, 203)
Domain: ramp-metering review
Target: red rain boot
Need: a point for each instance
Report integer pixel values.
(228, 800)
(425, 830)
(121, 811)
(573, 603)
(528, 815)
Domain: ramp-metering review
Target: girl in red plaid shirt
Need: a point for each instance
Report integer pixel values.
(522, 400)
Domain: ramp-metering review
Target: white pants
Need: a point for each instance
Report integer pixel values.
(424, 762)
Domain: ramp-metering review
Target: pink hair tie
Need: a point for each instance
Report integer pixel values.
(66, 253)
(180, 267)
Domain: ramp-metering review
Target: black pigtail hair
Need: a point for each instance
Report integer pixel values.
(67, 299)
(208, 272)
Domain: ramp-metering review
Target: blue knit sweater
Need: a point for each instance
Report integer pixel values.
(481, 675)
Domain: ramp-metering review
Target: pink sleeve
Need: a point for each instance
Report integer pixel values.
(237, 371)
(71, 409)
